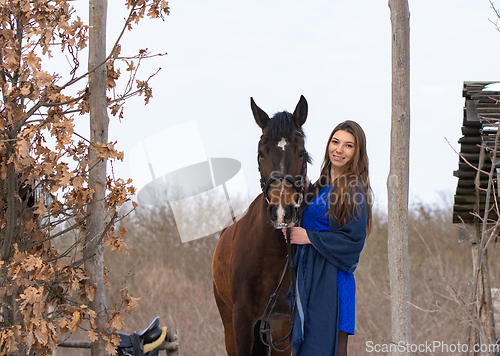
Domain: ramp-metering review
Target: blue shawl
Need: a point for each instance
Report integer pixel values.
(316, 319)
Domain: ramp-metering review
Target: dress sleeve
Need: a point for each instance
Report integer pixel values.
(342, 245)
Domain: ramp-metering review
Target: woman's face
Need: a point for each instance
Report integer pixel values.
(341, 149)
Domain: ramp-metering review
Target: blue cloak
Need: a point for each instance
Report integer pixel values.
(316, 319)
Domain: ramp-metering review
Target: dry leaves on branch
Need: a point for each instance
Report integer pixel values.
(44, 172)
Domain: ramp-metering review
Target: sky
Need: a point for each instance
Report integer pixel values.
(335, 53)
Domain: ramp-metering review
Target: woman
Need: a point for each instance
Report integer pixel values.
(335, 223)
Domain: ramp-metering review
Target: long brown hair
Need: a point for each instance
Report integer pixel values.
(352, 184)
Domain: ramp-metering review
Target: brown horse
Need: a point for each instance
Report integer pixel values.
(251, 253)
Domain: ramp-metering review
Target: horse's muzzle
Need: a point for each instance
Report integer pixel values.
(280, 216)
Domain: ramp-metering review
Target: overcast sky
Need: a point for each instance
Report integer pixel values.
(335, 53)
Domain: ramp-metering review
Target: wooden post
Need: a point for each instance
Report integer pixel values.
(173, 339)
(94, 246)
(398, 180)
(484, 304)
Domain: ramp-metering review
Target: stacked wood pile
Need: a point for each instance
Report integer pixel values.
(477, 150)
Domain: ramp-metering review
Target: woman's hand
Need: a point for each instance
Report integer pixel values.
(298, 236)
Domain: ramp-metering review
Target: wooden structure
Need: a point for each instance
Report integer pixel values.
(479, 158)
(479, 129)
(170, 345)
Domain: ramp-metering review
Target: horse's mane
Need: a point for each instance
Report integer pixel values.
(281, 125)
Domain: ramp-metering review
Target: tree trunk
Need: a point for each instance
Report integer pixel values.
(94, 247)
(398, 180)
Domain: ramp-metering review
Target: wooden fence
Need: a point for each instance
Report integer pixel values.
(170, 345)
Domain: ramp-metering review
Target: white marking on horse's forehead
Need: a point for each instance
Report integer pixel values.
(282, 144)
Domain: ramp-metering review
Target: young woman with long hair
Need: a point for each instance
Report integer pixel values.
(335, 223)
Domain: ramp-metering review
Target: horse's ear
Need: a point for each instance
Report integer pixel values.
(300, 113)
(259, 115)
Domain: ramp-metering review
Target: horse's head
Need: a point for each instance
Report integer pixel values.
(282, 159)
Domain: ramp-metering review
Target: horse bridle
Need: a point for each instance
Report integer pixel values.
(298, 184)
(265, 330)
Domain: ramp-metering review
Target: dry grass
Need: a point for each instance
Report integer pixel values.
(373, 306)
(173, 281)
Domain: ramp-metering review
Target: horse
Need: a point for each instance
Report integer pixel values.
(251, 253)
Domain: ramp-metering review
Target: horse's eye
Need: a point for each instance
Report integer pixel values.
(302, 154)
(260, 155)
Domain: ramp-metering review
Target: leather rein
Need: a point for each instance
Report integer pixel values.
(265, 330)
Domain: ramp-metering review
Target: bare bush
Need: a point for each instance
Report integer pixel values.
(438, 317)
(174, 282)
(173, 279)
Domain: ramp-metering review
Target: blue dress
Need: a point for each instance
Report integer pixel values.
(315, 218)
(321, 270)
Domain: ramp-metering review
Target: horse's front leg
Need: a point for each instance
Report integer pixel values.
(226, 315)
(244, 324)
